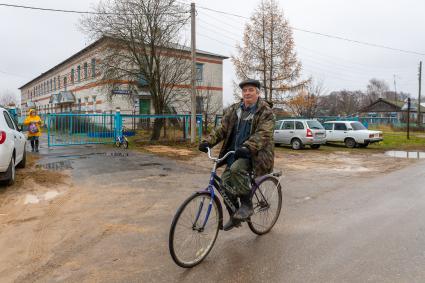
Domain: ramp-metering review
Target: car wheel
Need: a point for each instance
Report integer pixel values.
(10, 173)
(350, 143)
(315, 146)
(296, 144)
(23, 161)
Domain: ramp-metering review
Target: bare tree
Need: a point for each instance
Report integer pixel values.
(145, 48)
(268, 52)
(376, 89)
(8, 98)
(344, 102)
(208, 105)
(306, 102)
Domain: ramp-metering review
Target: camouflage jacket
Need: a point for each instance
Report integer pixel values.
(260, 142)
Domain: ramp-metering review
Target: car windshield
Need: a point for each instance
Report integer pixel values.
(357, 126)
(313, 124)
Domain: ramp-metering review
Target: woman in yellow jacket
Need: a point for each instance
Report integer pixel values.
(33, 121)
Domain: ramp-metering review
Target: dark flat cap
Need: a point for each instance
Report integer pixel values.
(250, 82)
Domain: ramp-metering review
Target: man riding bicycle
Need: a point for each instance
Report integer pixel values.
(247, 128)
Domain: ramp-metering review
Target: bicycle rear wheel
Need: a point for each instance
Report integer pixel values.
(267, 203)
(125, 143)
(189, 243)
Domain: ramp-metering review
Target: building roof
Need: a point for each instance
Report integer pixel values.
(97, 42)
(399, 105)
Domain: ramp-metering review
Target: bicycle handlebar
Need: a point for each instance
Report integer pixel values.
(218, 159)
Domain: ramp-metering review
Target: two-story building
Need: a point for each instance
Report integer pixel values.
(76, 85)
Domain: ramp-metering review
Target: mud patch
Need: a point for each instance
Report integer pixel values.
(174, 152)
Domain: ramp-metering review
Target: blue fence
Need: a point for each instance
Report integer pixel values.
(173, 127)
(79, 129)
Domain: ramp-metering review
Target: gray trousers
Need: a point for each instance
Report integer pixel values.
(235, 178)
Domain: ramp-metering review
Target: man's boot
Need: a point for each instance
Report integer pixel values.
(32, 145)
(232, 223)
(246, 209)
(36, 145)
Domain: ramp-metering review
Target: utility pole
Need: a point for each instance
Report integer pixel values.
(395, 90)
(408, 118)
(419, 96)
(193, 80)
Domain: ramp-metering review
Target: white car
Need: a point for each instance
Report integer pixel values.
(352, 133)
(299, 132)
(12, 148)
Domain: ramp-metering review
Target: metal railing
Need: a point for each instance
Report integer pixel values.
(160, 128)
(78, 129)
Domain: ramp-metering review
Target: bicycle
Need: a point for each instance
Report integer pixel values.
(121, 140)
(201, 215)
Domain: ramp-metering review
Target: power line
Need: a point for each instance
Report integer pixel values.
(79, 12)
(325, 34)
(359, 42)
(221, 42)
(356, 69)
(224, 13)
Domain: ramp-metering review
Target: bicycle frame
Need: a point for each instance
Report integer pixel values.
(216, 183)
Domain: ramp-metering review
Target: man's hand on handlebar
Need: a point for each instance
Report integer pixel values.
(203, 146)
(242, 152)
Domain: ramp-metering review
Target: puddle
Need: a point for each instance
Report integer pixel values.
(406, 154)
(56, 166)
(150, 164)
(50, 195)
(119, 154)
(31, 199)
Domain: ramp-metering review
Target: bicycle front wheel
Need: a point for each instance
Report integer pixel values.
(267, 203)
(190, 240)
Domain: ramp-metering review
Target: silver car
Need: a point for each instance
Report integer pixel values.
(299, 133)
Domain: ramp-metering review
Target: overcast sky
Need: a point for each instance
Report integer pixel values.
(34, 41)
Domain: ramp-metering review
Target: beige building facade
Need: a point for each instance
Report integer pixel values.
(76, 86)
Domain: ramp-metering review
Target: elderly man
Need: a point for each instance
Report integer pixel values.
(246, 128)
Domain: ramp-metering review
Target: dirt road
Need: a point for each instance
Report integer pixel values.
(103, 215)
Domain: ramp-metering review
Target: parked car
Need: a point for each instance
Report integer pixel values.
(352, 133)
(12, 148)
(299, 133)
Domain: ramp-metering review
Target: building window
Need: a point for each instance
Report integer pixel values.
(86, 104)
(94, 103)
(199, 72)
(72, 76)
(54, 84)
(59, 83)
(85, 70)
(64, 83)
(79, 73)
(93, 67)
(79, 104)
